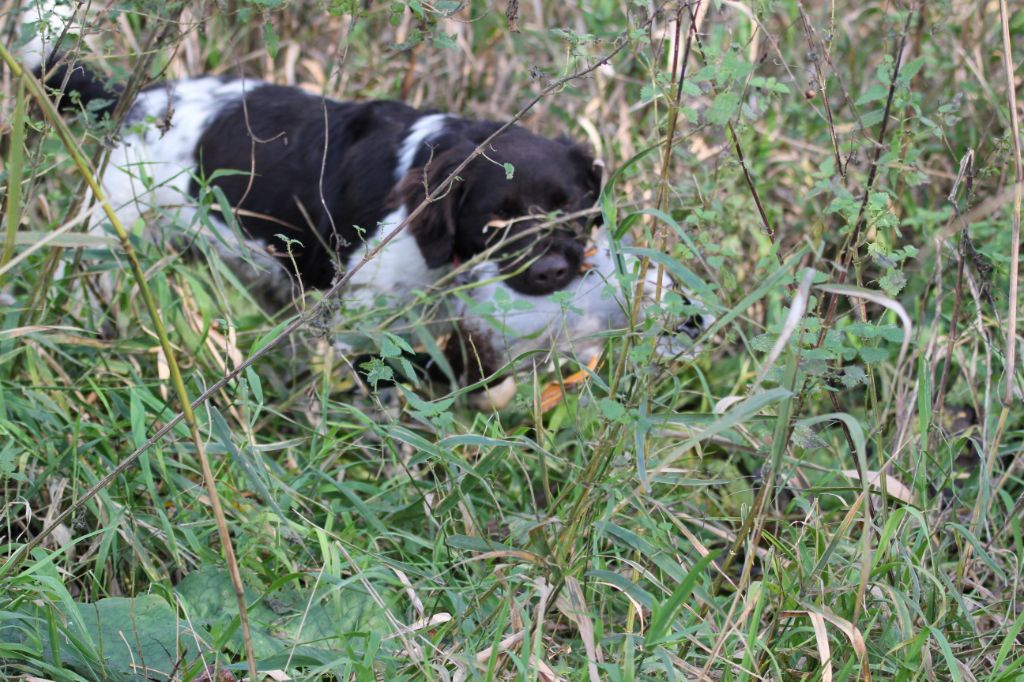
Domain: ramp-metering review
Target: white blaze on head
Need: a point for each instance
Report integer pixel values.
(420, 131)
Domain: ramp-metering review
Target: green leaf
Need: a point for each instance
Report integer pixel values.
(876, 92)
(910, 70)
(872, 118)
(1009, 642)
(947, 652)
(723, 108)
(377, 371)
(472, 544)
(270, 40)
(853, 376)
(611, 409)
(138, 417)
(139, 639)
(663, 614)
(510, 170)
(285, 616)
(872, 355)
(642, 596)
(254, 384)
(388, 348)
(893, 282)
(736, 414)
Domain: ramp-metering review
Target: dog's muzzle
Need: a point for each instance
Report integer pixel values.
(578, 317)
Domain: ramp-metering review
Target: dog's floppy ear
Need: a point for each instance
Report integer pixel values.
(590, 170)
(435, 227)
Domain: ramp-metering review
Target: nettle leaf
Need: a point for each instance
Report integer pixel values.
(910, 70)
(692, 89)
(504, 303)
(338, 8)
(763, 342)
(733, 67)
(444, 40)
(878, 201)
(389, 349)
(872, 118)
(872, 355)
(891, 332)
(893, 282)
(612, 409)
(876, 92)
(769, 85)
(853, 376)
(819, 353)
(642, 351)
(862, 330)
(723, 108)
(565, 300)
(448, 7)
(884, 70)
(844, 204)
(377, 370)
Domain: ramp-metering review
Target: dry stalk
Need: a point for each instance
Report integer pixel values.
(984, 495)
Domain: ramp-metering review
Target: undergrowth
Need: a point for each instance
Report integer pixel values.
(831, 489)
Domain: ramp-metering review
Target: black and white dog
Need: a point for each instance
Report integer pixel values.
(313, 181)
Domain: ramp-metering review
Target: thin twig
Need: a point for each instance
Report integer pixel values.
(768, 229)
(817, 48)
(966, 172)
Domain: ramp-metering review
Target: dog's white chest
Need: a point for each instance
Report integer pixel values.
(393, 275)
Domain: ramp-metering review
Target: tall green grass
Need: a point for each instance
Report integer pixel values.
(830, 490)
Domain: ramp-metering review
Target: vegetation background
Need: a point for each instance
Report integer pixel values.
(831, 490)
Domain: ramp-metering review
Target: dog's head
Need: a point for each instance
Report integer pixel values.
(507, 202)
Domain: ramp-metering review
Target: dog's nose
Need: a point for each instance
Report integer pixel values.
(692, 326)
(550, 273)
(696, 324)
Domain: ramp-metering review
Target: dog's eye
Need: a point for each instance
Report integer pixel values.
(507, 210)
